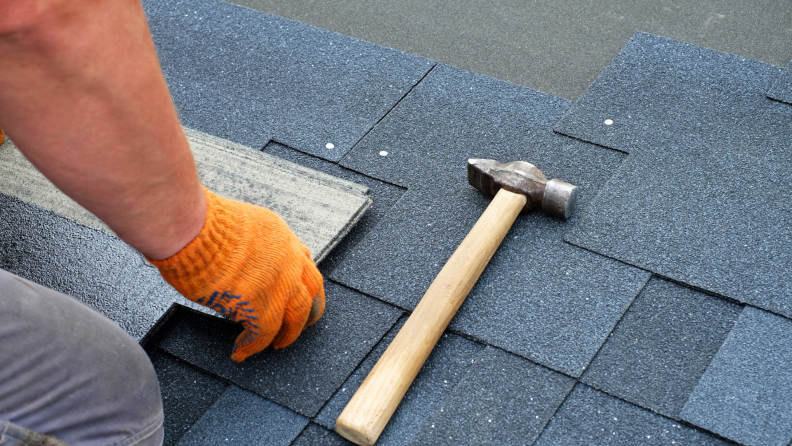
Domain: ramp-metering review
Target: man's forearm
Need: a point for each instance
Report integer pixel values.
(83, 97)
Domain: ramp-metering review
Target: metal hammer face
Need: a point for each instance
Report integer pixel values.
(555, 197)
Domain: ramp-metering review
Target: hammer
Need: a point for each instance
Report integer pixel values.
(517, 186)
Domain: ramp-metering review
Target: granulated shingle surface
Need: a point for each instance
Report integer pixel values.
(248, 76)
(539, 298)
(243, 418)
(781, 88)
(85, 263)
(302, 376)
(501, 400)
(186, 394)
(315, 435)
(744, 394)
(702, 198)
(589, 417)
(443, 369)
(662, 346)
(385, 195)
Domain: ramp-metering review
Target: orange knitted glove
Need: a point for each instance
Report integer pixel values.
(2, 135)
(246, 263)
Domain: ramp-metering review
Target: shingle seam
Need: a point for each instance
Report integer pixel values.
(365, 357)
(307, 425)
(368, 295)
(363, 174)
(385, 116)
(681, 422)
(557, 132)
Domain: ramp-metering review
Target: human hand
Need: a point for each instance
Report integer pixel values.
(246, 263)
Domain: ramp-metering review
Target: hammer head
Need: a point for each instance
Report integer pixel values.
(555, 197)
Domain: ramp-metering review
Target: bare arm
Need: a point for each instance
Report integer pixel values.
(83, 97)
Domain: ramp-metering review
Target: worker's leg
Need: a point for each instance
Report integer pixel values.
(68, 371)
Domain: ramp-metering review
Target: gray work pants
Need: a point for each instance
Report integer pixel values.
(69, 372)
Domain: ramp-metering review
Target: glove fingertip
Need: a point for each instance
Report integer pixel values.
(247, 345)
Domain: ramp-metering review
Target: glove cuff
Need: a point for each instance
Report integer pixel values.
(210, 245)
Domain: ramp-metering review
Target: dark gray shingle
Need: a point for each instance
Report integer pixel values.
(702, 199)
(248, 76)
(187, 393)
(502, 400)
(443, 369)
(781, 88)
(540, 297)
(590, 417)
(745, 393)
(662, 346)
(243, 418)
(302, 376)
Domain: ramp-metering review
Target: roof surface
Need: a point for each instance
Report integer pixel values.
(655, 315)
(658, 314)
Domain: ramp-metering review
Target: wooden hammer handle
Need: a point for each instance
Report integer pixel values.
(369, 410)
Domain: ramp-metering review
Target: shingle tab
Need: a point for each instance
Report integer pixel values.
(243, 418)
(702, 198)
(248, 76)
(302, 376)
(315, 435)
(503, 399)
(662, 346)
(540, 298)
(781, 88)
(186, 394)
(744, 395)
(443, 369)
(589, 417)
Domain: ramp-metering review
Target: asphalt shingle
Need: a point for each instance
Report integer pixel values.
(187, 393)
(85, 263)
(385, 195)
(744, 394)
(250, 77)
(302, 376)
(540, 298)
(243, 418)
(662, 346)
(702, 198)
(503, 399)
(589, 416)
(443, 369)
(781, 88)
(315, 435)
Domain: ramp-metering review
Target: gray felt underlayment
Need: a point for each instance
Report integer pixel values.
(540, 298)
(781, 88)
(445, 366)
(250, 77)
(319, 208)
(744, 395)
(384, 195)
(501, 400)
(301, 377)
(242, 418)
(657, 353)
(187, 393)
(703, 197)
(590, 417)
